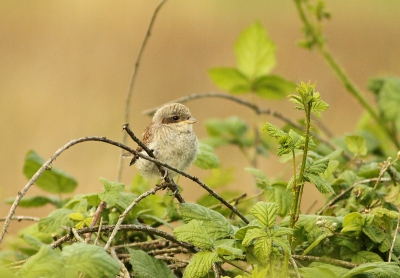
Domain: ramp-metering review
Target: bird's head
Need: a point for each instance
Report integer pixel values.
(175, 115)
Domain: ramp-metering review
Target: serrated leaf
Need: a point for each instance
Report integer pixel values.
(323, 270)
(389, 98)
(278, 194)
(315, 243)
(114, 194)
(229, 252)
(230, 79)
(274, 131)
(53, 222)
(375, 233)
(319, 106)
(353, 222)
(76, 216)
(200, 264)
(320, 183)
(232, 130)
(195, 233)
(206, 159)
(241, 232)
(263, 248)
(253, 234)
(273, 87)
(32, 241)
(255, 52)
(365, 257)
(265, 213)
(45, 263)
(89, 259)
(53, 181)
(146, 266)
(377, 269)
(318, 166)
(356, 145)
(257, 173)
(216, 224)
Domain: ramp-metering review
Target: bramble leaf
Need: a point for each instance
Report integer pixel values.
(195, 233)
(230, 79)
(200, 264)
(356, 144)
(114, 194)
(206, 159)
(265, 213)
(53, 222)
(273, 87)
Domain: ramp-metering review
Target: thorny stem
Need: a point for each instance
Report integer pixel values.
(343, 77)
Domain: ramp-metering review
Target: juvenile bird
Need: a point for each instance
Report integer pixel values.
(170, 135)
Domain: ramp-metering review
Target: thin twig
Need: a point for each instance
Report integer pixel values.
(133, 78)
(128, 209)
(123, 268)
(325, 260)
(242, 196)
(340, 196)
(96, 216)
(20, 218)
(296, 269)
(216, 270)
(130, 227)
(98, 231)
(394, 238)
(76, 235)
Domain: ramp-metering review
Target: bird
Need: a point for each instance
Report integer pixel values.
(171, 137)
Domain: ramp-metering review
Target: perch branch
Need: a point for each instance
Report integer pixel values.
(325, 260)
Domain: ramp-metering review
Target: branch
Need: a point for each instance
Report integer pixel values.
(325, 260)
(20, 218)
(130, 227)
(133, 78)
(394, 238)
(96, 216)
(128, 209)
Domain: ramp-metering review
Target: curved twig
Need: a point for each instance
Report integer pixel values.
(325, 260)
(133, 78)
(128, 209)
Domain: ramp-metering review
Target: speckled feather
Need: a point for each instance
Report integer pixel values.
(171, 137)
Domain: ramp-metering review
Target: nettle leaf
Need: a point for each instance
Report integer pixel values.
(230, 79)
(53, 180)
(216, 224)
(114, 194)
(36, 201)
(376, 269)
(88, 259)
(265, 213)
(195, 233)
(255, 52)
(206, 159)
(273, 87)
(356, 145)
(200, 264)
(146, 266)
(53, 222)
(353, 223)
(45, 263)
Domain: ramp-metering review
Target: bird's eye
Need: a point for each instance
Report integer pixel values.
(175, 118)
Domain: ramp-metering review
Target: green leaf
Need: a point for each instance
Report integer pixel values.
(53, 180)
(365, 257)
(200, 264)
(252, 234)
(114, 194)
(318, 106)
(263, 248)
(255, 52)
(265, 213)
(228, 252)
(318, 166)
(353, 223)
(206, 159)
(53, 222)
(316, 242)
(273, 87)
(89, 259)
(229, 131)
(376, 269)
(36, 201)
(257, 173)
(195, 233)
(322, 270)
(389, 98)
(320, 183)
(274, 131)
(32, 241)
(45, 263)
(356, 145)
(375, 233)
(216, 224)
(230, 79)
(5, 273)
(146, 266)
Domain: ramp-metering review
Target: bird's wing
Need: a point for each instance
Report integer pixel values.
(146, 139)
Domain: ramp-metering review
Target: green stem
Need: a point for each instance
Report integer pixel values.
(343, 77)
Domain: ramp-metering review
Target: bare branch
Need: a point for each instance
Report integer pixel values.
(133, 78)
(96, 216)
(20, 218)
(325, 260)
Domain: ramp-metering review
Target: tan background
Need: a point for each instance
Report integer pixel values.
(65, 67)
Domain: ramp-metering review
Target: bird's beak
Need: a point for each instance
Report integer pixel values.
(191, 120)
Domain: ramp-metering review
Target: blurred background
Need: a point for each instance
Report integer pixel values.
(65, 69)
